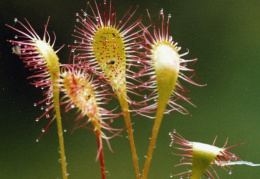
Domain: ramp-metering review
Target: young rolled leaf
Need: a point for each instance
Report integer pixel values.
(202, 156)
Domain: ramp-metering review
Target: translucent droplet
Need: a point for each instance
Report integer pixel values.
(15, 19)
(234, 156)
(230, 172)
(42, 108)
(37, 140)
(169, 15)
(35, 104)
(15, 36)
(174, 131)
(161, 11)
(43, 130)
(47, 115)
(65, 130)
(72, 106)
(171, 144)
(37, 120)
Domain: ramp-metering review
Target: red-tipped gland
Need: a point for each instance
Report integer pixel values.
(200, 156)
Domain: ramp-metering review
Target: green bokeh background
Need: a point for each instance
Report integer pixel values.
(223, 35)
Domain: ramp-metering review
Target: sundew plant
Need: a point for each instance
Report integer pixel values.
(120, 67)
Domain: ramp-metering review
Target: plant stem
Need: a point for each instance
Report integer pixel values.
(101, 154)
(156, 127)
(126, 114)
(60, 134)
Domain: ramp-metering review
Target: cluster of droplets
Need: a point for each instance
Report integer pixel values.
(171, 134)
(181, 177)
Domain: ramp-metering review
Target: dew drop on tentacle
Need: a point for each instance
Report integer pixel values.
(161, 11)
